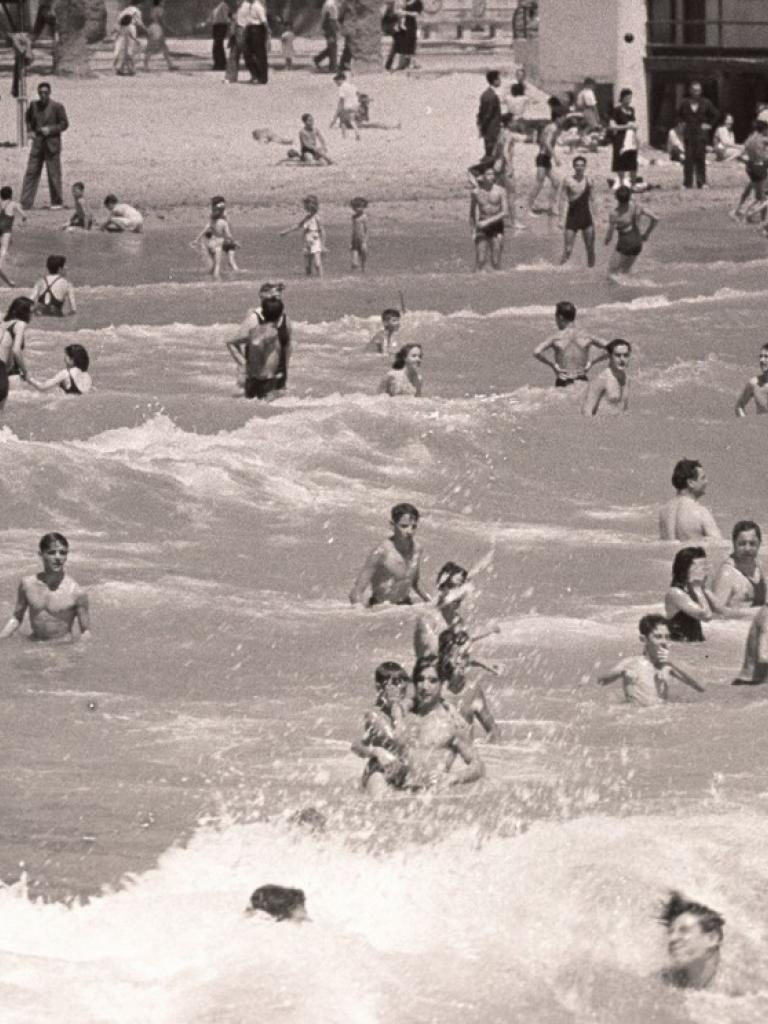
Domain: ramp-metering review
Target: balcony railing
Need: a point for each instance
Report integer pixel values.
(707, 35)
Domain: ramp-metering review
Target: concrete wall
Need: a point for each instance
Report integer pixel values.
(630, 48)
(577, 38)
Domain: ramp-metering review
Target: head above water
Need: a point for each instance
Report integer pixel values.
(615, 346)
(746, 526)
(565, 312)
(79, 356)
(391, 318)
(623, 194)
(359, 203)
(20, 309)
(280, 902)
(681, 566)
(451, 575)
(404, 508)
(709, 920)
(649, 623)
(389, 672)
(55, 264)
(48, 540)
(686, 471)
(401, 357)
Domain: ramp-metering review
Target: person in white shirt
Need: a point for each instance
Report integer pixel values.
(348, 107)
(724, 142)
(256, 43)
(586, 103)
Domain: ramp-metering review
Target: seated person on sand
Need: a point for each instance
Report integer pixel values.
(54, 600)
(694, 938)
(452, 588)
(82, 218)
(756, 388)
(384, 340)
(611, 387)
(379, 744)
(404, 379)
(689, 600)
(122, 217)
(453, 662)
(739, 583)
(570, 348)
(391, 571)
(312, 145)
(646, 677)
(54, 294)
(684, 517)
(754, 670)
(279, 902)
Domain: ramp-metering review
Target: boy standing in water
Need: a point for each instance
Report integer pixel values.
(359, 242)
(646, 677)
(383, 341)
(612, 385)
(570, 348)
(53, 599)
(314, 236)
(392, 568)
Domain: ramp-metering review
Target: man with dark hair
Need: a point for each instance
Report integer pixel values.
(391, 570)
(695, 935)
(489, 114)
(699, 117)
(684, 517)
(262, 346)
(611, 387)
(571, 359)
(46, 120)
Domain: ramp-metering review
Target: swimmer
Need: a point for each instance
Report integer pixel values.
(358, 245)
(216, 238)
(570, 348)
(756, 388)
(695, 935)
(740, 584)
(577, 191)
(279, 902)
(754, 669)
(74, 379)
(433, 737)
(612, 384)
(54, 600)
(546, 157)
(314, 236)
(379, 743)
(689, 600)
(53, 292)
(391, 571)
(488, 209)
(452, 588)
(262, 347)
(12, 360)
(454, 658)
(625, 221)
(404, 379)
(646, 677)
(384, 340)
(684, 517)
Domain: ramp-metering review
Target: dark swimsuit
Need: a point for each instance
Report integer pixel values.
(260, 387)
(684, 627)
(629, 241)
(71, 388)
(8, 369)
(48, 304)
(6, 223)
(579, 216)
(3, 381)
(564, 382)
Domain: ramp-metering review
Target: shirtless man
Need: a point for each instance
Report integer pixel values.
(53, 599)
(684, 517)
(570, 347)
(432, 737)
(262, 347)
(612, 385)
(488, 209)
(756, 388)
(392, 568)
(754, 670)
(384, 340)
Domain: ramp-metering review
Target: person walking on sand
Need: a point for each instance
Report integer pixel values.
(699, 117)
(546, 158)
(156, 36)
(489, 113)
(329, 26)
(220, 20)
(488, 208)
(754, 156)
(46, 121)
(684, 517)
(612, 385)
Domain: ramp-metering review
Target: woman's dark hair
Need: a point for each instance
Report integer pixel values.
(677, 904)
(55, 264)
(446, 574)
(517, 89)
(49, 539)
(78, 355)
(421, 666)
(278, 901)
(402, 354)
(743, 526)
(20, 309)
(684, 559)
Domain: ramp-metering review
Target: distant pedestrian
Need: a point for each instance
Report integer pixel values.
(623, 129)
(256, 59)
(221, 20)
(755, 160)
(489, 113)
(329, 26)
(156, 36)
(699, 117)
(46, 120)
(358, 245)
(347, 107)
(405, 35)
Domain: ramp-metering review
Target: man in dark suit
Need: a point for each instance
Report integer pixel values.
(46, 120)
(699, 117)
(489, 114)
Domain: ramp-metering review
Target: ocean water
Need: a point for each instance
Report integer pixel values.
(149, 778)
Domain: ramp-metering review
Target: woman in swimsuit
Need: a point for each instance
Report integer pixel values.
(689, 601)
(625, 221)
(12, 361)
(74, 379)
(546, 157)
(216, 238)
(52, 292)
(739, 583)
(578, 191)
(404, 379)
(9, 209)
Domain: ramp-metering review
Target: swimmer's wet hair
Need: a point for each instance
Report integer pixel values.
(389, 313)
(648, 623)
(54, 264)
(677, 904)
(421, 666)
(685, 470)
(389, 672)
(403, 509)
(6, 192)
(623, 194)
(446, 574)
(743, 526)
(20, 309)
(402, 354)
(279, 901)
(79, 356)
(613, 345)
(49, 539)
(682, 563)
(79, 184)
(565, 310)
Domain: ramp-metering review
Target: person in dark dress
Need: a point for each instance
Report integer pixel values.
(623, 129)
(699, 117)
(405, 36)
